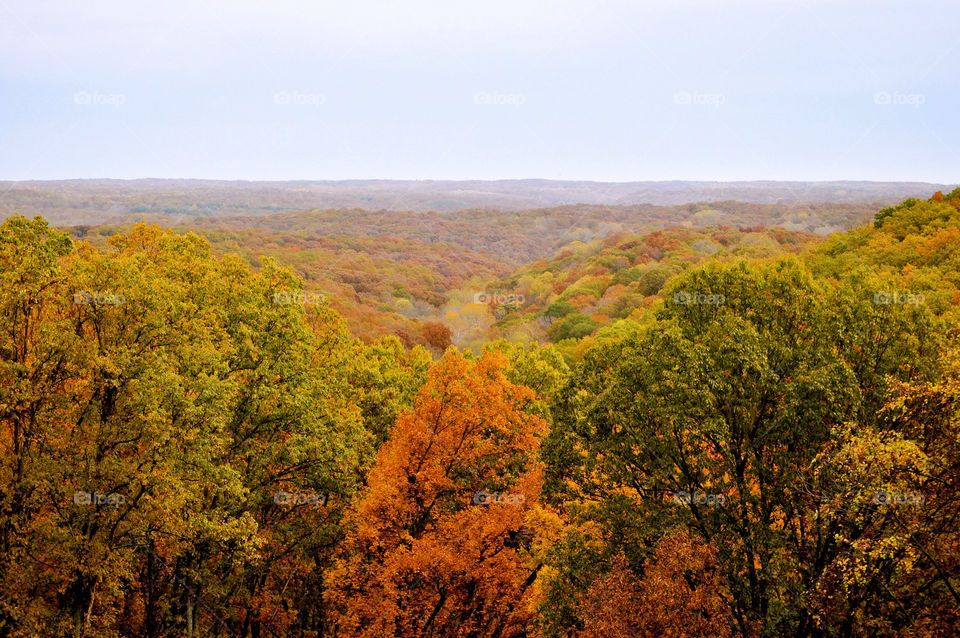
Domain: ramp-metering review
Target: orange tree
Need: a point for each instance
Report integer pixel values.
(443, 542)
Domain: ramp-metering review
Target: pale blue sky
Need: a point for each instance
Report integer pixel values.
(446, 89)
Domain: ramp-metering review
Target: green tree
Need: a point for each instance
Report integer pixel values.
(728, 396)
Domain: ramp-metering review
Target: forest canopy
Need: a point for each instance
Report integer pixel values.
(690, 431)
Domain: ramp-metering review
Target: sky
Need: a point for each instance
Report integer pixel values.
(500, 89)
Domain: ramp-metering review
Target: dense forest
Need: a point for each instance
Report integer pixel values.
(407, 273)
(710, 428)
(99, 201)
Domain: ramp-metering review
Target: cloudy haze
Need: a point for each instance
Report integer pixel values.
(498, 89)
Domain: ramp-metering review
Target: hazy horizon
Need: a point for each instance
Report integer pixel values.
(572, 180)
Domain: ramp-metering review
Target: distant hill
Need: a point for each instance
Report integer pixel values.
(99, 201)
(390, 271)
(386, 271)
(521, 236)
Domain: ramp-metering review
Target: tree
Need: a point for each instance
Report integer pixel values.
(437, 335)
(153, 400)
(388, 377)
(728, 397)
(442, 542)
(891, 494)
(572, 326)
(680, 593)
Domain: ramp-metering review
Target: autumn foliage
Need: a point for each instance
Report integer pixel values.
(679, 594)
(429, 555)
(747, 432)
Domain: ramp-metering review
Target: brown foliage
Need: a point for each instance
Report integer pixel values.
(679, 595)
(437, 335)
